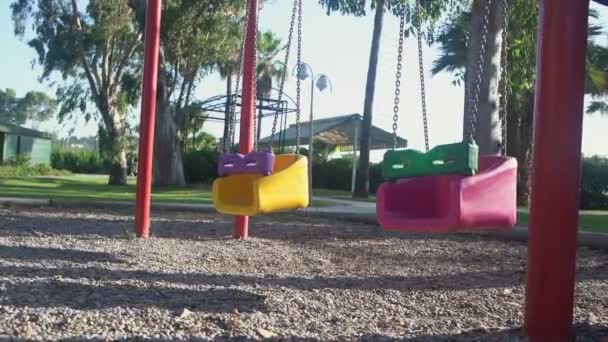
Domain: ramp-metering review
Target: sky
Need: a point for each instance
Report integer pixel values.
(337, 46)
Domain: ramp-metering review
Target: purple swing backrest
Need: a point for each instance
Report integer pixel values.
(254, 162)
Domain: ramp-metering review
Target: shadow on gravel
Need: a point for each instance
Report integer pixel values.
(456, 281)
(583, 332)
(190, 226)
(79, 296)
(42, 253)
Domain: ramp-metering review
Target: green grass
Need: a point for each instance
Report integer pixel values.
(95, 188)
(589, 220)
(85, 187)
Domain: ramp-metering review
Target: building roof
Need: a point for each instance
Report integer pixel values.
(10, 128)
(337, 130)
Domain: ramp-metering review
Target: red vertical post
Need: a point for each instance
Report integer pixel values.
(148, 116)
(560, 87)
(241, 229)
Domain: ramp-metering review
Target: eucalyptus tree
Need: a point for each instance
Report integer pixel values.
(91, 50)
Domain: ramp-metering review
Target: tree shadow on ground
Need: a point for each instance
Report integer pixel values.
(45, 253)
(442, 282)
(79, 296)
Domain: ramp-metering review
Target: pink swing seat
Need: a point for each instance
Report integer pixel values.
(452, 203)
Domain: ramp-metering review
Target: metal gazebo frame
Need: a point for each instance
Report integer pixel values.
(265, 107)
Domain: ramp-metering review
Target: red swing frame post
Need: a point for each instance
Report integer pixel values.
(560, 90)
(241, 228)
(148, 117)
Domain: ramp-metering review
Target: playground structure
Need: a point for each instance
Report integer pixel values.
(557, 156)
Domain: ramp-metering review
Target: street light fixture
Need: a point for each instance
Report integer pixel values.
(321, 81)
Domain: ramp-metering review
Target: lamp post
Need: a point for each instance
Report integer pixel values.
(322, 82)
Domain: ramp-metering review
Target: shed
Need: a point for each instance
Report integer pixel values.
(17, 141)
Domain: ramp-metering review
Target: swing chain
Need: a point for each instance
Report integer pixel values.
(421, 69)
(504, 86)
(474, 102)
(229, 141)
(398, 76)
(284, 73)
(255, 80)
(299, 81)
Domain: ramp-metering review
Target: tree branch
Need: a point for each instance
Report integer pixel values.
(87, 69)
(125, 61)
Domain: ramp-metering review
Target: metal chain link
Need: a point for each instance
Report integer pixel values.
(299, 82)
(504, 86)
(474, 103)
(398, 77)
(284, 73)
(421, 69)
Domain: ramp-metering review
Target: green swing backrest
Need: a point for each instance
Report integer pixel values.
(459, 158)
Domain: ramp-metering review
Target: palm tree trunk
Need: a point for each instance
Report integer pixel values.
(362, 185)
(488, 128)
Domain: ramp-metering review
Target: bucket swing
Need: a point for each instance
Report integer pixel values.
(261, 182)
(448, 188)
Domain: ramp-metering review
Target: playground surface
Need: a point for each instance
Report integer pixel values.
(69, 274)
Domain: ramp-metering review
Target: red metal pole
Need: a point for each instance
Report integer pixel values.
(241, 229)
(560, 85)
(148, 116)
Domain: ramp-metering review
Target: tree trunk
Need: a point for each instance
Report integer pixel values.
(362, 186)
(118, 170)
(488, 128)
(519, 143)
(227, 109)
(168, 167)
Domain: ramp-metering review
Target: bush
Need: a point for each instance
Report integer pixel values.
(200, 166)
(594, 185)
(79, 161)
(7, 171)
(336, 174)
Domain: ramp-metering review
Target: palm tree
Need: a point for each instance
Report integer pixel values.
(358, 8)
(453, 39)
(269, 69)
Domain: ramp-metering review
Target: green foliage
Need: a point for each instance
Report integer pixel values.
(594, 186)
(34, 106)
(433, 11)
(79, 161)
(453, 38)
(201, 166)
(336, 174)
(22, 167)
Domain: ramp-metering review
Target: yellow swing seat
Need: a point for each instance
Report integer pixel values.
(252, 194)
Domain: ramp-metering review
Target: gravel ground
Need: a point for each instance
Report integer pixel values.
(70, 275)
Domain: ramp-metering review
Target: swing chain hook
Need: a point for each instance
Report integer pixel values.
(398, 76)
